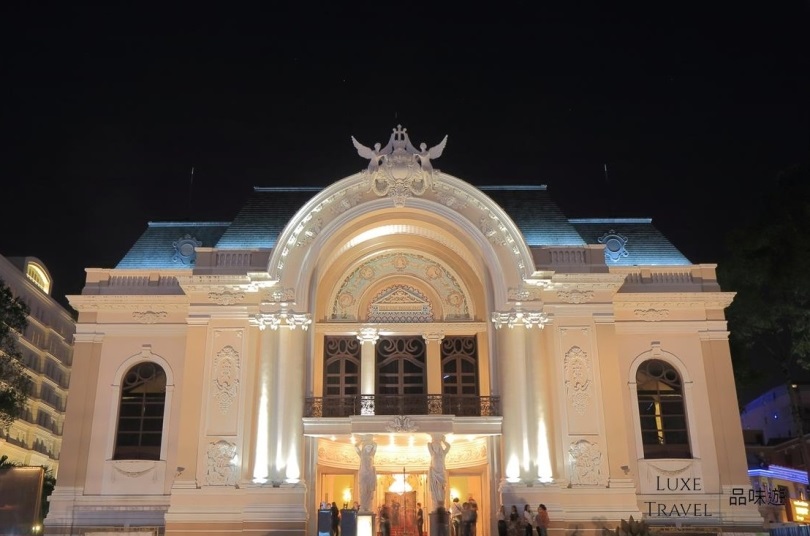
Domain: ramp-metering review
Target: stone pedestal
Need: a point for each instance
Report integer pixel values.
(439, 523)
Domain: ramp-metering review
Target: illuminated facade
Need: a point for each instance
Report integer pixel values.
(46, 347)
(325, 343)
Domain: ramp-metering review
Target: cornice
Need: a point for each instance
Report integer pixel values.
(96, 332)
(674, 300)
(456, 328)
(93, 302)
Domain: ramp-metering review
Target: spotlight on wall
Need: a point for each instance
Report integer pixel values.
(625, 468)
(179, 471)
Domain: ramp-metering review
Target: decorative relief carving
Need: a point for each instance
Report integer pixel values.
(184, 251)
(578, 383)
(575, 296)
(400, 170)
(346, 299)
(226, 377)
(451, 201)
(134, 468)
(400, 303)
(491, 228)
(614, 245)
(463, 454)
(221, 464)
(401, 423)
(280, 295)
(226, 296)
(345, 203)
(310, 232)
(524, 294)
(651, 315)
(149, 317)
(586, 463)
(670, 472)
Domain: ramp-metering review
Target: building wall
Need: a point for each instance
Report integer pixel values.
(47, 348)
(242, 348)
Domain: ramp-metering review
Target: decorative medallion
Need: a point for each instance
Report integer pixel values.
(184, 252)
(279, 295)
(575, 296)
(226, 297)
(614, 245)
(309, 234)
(221, 464)
(226, 377)
(491, 229)
(149, 317)
(401, 423)
(652, 315)
(400, 170)
(586, 463)
(578, 378)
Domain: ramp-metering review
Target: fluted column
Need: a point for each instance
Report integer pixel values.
(541, 385)
(288, 406)
(368, 338)
(264, 450)
(519, 441)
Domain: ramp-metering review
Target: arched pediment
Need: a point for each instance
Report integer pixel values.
(487, 232)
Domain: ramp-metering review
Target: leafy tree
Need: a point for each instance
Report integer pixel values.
(769, 268)
(14, 381)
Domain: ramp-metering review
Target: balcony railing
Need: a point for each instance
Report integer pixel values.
(346, 406)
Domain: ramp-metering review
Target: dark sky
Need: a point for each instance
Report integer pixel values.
(106, 108)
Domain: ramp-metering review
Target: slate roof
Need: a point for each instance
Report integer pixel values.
(158, 245)
(539, 219)
(263, 217)
(268, 210)
(645, 245)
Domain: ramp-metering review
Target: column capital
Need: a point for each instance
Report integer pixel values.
(520, 318)
(371, 335)
(288, 319)
(431, 336)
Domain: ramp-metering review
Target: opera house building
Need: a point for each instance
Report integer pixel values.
(400, 336)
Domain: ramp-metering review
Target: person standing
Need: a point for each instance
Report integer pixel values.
(455, 517)
(420, 519)
(501, 516)
(335, 519)
(542, 520)
(528, 521)
(514, 522)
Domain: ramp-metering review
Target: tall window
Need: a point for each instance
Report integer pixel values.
(140, 413)
(401, 371)
(460, 376)
(341, 366)
(661, 408)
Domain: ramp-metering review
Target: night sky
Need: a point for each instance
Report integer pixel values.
(105, 110)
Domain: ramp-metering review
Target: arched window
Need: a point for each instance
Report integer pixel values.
(661, 408)
(460, 376)
(140, 413)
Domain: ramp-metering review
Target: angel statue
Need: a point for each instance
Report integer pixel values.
(375, 156)
(425, 155)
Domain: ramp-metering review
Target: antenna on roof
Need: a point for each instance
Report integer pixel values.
(606, 175)
(190, 186)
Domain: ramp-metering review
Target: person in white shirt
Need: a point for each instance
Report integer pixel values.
(528, 520)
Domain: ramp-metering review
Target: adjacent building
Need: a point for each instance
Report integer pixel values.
(401, 336)
(47, 349)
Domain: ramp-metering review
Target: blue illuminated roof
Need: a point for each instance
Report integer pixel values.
(267, 211)
(539, 219)
(158, 245)
(640, 243)
(263, 217)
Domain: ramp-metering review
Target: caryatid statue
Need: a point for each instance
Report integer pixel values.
(368, 474)
(438, 448)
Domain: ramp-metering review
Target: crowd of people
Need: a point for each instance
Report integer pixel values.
(523, 524)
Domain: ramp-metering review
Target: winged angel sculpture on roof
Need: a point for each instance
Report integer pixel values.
(399, 169)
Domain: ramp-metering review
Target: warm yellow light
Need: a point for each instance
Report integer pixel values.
(454, 493)
(513, 469)
(260, 471)
(293, 474)
(347, 495)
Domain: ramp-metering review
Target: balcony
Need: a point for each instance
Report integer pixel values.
(346, 406)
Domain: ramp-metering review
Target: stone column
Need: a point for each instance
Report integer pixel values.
(434, 371)
(288, 403)
(264, 448)
(540, 372)
(368, 338)
(516, 397)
